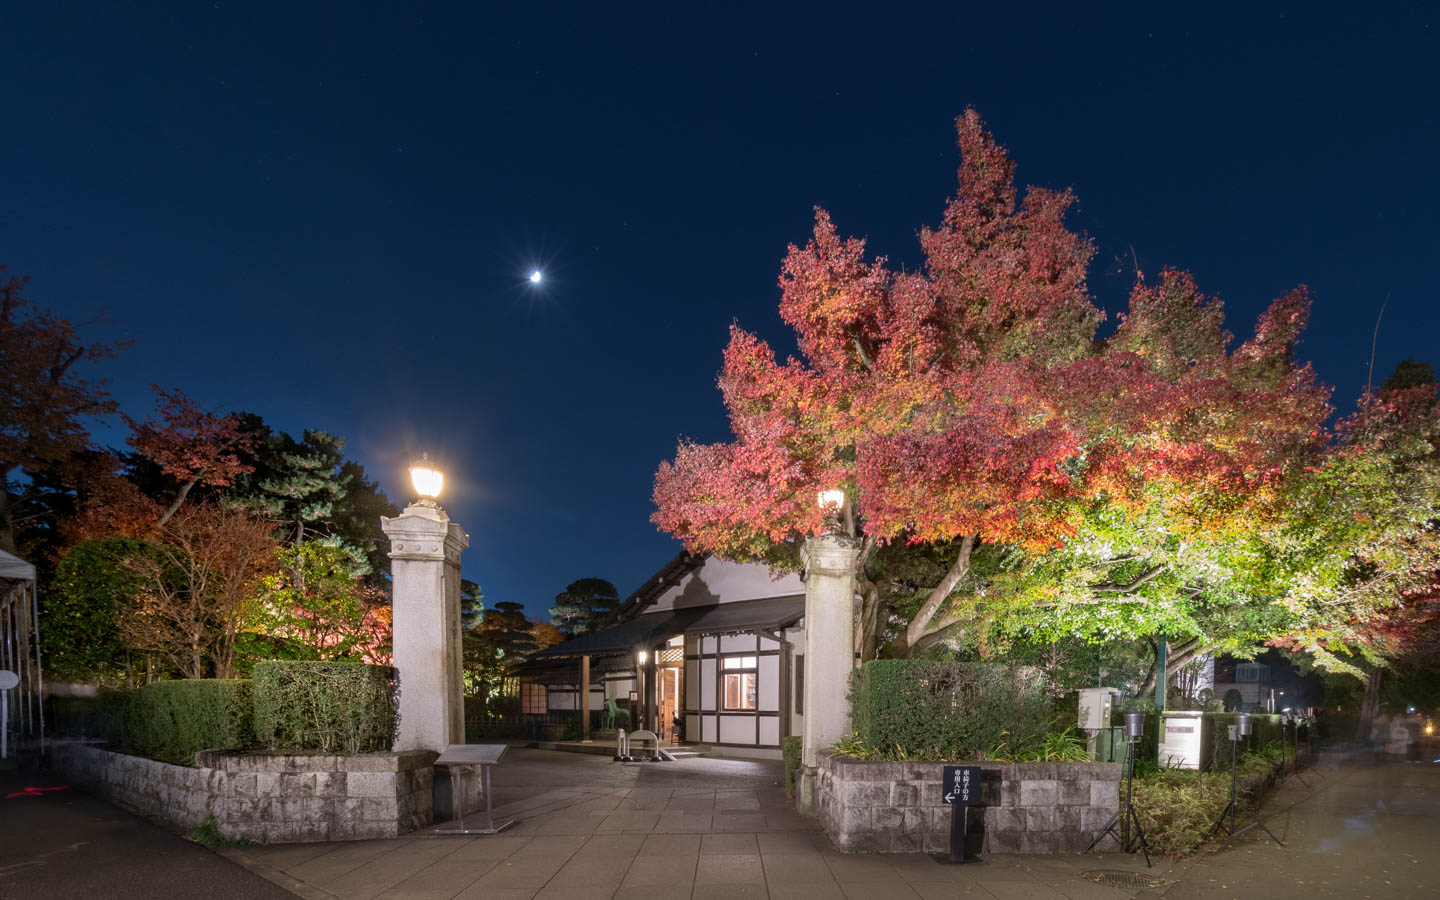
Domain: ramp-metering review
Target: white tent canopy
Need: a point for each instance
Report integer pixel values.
(13, 568)
(20, 650)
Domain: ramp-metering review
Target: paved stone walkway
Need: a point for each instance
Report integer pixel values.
(696, 828)
(1357, 830)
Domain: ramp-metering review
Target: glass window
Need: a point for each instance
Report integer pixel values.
(740, 662)
(740, 690)
(532, 698)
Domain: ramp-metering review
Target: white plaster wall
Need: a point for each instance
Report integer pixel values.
(720, 580)
(769, 683)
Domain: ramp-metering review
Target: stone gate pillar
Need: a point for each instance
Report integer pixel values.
(829, 650)
(425, 548)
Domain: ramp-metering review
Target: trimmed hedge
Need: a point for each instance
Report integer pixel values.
(922, 709)
(341, 707)
(169, 720)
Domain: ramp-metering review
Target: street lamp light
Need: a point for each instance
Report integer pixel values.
(832, 500)
(427, 479)
(643, 712)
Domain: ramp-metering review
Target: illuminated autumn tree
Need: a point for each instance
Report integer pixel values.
(44, 398)
(107, 503)
(189, 444)
(319, 602)
(968, 408)
(197, 590)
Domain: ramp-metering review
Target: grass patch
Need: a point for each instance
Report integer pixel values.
(208, 833)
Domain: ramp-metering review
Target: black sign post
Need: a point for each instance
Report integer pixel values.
(960, 790)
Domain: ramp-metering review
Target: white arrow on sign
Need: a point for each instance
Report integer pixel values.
(949, 798)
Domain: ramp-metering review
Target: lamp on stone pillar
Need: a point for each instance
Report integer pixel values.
(425, 548)
(830, 569)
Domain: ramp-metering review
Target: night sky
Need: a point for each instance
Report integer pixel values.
(327, 216)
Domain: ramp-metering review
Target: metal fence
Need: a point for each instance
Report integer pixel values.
(554, 725)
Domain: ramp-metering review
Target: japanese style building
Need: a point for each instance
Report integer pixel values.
(706, 651)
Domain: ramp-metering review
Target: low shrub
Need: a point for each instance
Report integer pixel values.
(342, 707)
(928, 710)
(1178, 808)
(790, 749)
(168, 720)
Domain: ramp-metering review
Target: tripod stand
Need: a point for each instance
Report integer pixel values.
(1125, 816)
(1294, 756)
(1234, 804)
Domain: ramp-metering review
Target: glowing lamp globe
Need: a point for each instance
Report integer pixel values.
(641, 656)
(832, 500)
(427, 479)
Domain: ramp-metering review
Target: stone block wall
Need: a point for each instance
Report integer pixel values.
(266, 798)
(897, 807)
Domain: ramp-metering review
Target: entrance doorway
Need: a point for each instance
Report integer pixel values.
(669, 702)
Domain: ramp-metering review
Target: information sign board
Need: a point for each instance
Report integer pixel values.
(961, 785)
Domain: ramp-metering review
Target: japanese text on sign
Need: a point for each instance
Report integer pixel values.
(961, 785)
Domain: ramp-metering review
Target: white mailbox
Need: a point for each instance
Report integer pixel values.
(1184, 740)
(1096, 706)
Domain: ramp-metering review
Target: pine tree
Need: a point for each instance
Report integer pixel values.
(580, 607)
(307, 483)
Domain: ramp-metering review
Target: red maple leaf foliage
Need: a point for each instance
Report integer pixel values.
(972, 398)
(190, 444)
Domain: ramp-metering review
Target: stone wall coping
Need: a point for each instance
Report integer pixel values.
(260, 761)
(891, 770)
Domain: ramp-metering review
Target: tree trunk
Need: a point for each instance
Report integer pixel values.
(918, 625)
(1371, 705)
(1179, 656)
(175, 504)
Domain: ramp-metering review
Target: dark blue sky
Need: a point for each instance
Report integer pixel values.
(325, 215)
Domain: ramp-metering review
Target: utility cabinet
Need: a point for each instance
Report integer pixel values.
(1096, 707)
(1185, 740)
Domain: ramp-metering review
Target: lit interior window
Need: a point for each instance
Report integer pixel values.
(740, 690)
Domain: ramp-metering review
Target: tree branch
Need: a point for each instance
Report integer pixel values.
(860, 349)
(1143, 578)
(919, 625)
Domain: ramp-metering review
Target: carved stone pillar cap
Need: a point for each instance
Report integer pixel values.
(424, 532)
(831, 554)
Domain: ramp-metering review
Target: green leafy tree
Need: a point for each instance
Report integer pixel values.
(92, 586)
(318, 600)
(580, 607)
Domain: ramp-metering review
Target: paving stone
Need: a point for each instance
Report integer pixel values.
(729, 868)
(711, 844)
(671, 874)
(676, 845)
(786, 868)
(530, 871)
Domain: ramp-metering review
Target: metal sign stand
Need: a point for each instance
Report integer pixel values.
(471, 756)
(959, 790)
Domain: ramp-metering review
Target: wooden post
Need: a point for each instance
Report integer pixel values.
(585, 698)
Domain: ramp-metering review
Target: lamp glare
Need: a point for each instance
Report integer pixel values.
(427, 479)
